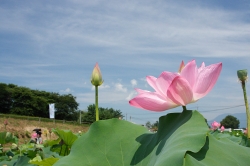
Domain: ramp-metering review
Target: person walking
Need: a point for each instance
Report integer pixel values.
(39, 139)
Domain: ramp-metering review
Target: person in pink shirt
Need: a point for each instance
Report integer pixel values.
(33, 137)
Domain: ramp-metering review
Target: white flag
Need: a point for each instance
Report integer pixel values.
(52, 111)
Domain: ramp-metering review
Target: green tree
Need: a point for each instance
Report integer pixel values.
(66, 107)
(230, 122)
(105, 113)
(155, 126)
(25, 101)
(5, 99)
(148, 125)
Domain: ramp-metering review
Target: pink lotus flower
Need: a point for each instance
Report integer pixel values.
(222, 128)
(245, 131)
(177, 89)
(215, 125)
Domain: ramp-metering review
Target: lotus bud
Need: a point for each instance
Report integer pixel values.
(222, 128)
(242, 75)
(96, 78)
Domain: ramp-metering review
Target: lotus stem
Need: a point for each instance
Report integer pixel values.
(184, 108)
(96, 103)
(247, 108)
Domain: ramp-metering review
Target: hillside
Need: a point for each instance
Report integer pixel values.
(23, 128)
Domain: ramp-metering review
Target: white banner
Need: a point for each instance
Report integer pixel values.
(52, 111)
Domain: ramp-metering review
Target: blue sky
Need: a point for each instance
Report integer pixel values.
(54, 45)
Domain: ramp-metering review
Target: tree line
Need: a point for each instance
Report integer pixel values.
(104, 113)
(229, 121)
(25, 101)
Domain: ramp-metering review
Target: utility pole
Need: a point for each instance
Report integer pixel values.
(80, 117)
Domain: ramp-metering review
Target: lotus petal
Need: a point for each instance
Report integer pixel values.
(152, 101)
(189, 72)
(180, 91)
(206, 80)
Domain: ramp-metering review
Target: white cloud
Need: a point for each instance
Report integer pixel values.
(199, 31)
(104, 97)
(120, 87)
(133, 82)
(103, 86)
(67, 90)
(131, 95)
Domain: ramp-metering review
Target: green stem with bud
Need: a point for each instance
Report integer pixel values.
(247, 108)
(96, 104)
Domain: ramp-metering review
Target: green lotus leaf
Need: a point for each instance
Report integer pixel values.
(45, 162)
(7, 137)
(115, 142)
(6, 161)
(233, 138)
(221, 152)
(36, 159)
(51, 142)
(66, 135)
(23, 161)
(48, 153)
(245, 141)
(61, 150)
